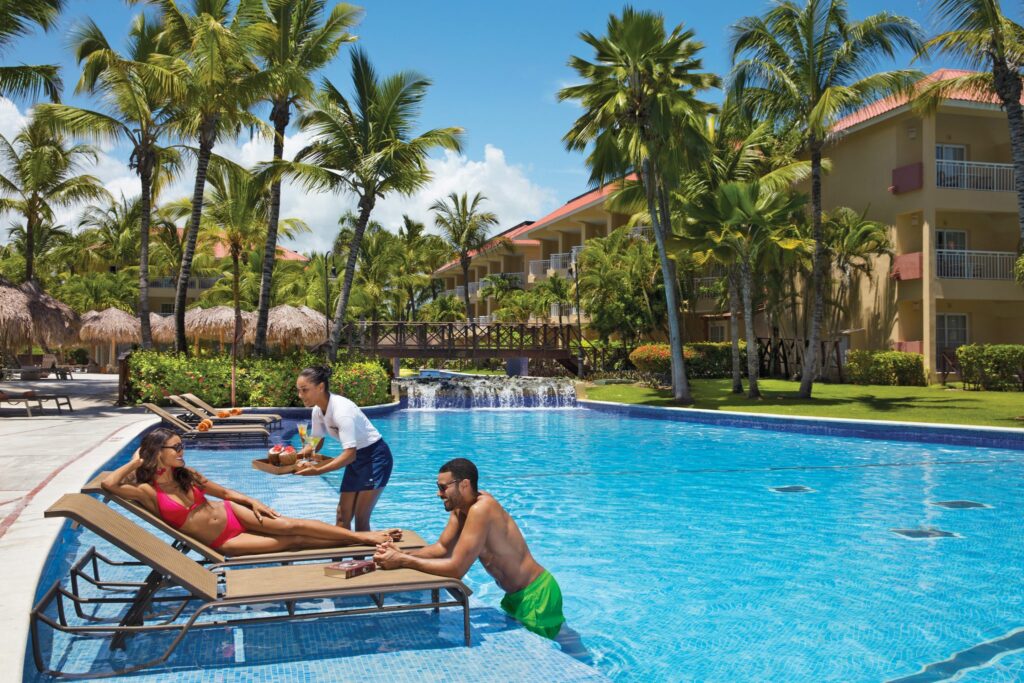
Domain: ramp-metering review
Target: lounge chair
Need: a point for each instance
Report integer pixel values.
(172, 572)
(268, 421)
(59, 399)
(217, 431)
(410, 539)
(27, 401)
(211, 411)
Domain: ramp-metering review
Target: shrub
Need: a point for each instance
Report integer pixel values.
(258, 382)
(652, 359)
(890, 368)
(705, 360)
(994, 367)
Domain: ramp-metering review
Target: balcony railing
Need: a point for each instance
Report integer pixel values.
(568, 311)
(960, 264)
(643, 231)
(539, 268)
(193, 283)
(560, 261)
(972, 175)
(460, 291)
(515, 278)
(575, 252)
(474, 287)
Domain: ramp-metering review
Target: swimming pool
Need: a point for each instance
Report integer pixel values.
(695, 552)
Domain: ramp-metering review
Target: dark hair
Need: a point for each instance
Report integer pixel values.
(149, 451)
(461, 469)
(318, 374)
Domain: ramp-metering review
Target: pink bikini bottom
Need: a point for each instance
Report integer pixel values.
(231, 529)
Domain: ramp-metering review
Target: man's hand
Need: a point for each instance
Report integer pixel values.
(387, 557)
(261, 510)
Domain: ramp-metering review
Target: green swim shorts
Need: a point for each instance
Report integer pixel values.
(538, 607)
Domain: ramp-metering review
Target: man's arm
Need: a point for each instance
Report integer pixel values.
(444, 544)
(467, 550)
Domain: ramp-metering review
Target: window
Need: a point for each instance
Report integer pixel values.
(950, 171)
(166, 309)
(951, 152)
(950, 256)
(950, 334)
(717, 331)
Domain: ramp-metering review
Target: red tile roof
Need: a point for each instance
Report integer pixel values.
(888, 104)
(575, 204)
(220, 250)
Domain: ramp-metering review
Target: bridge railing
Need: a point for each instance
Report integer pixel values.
(460, 336)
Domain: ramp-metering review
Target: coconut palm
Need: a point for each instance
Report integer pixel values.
(982, 37)
(96, 291)
(804, 66)
(639, 92)
(366, 147)
(737, 224)
(444, 309)
(422, 255)
(207, 52)
(380, 256)
(555, 290)
(498, 286)
(38, 174)
(465, 227)
(136, 100)
(852, 242)
(300, 39)
(16, 19)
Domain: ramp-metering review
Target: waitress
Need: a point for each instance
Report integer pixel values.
(365, 455)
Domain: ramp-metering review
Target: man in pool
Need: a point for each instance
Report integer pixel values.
(479, 527)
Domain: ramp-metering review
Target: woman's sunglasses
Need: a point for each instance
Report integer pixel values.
(177, 448)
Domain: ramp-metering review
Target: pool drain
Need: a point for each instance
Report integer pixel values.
(791, 489)
(925, 532)
(960, 504)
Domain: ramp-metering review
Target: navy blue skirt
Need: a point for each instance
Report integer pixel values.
(370, 470)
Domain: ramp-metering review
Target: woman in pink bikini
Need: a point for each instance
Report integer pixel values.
(241, 526)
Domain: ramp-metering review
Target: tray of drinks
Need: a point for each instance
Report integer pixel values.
(265, 464)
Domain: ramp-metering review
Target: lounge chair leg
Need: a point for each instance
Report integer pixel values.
(435, 597)
(465, 618)
(136, 614)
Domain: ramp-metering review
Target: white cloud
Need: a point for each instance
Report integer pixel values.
(11, 119)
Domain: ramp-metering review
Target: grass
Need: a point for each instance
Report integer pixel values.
(911, 404)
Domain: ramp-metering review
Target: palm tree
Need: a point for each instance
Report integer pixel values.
(422, 255)
(207, 52)
(555, 290)
(136, 99)
(380, 257)
(39, 173)
(465, 227)
(444, 309)
(804, 67)
(852, 240)
(498, 286)
(737, 224)
(981, 36)
(112, 229)
(16, 19)
(366, 147)
(299, 40)
(639, 92)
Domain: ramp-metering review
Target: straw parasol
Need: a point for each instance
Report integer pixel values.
(54, 323)
(162, 328)
(288, 325)
(217, 323)
(109, 325)
(318, 318)
(15, 322)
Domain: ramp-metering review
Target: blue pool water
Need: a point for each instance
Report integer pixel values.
(679, 561)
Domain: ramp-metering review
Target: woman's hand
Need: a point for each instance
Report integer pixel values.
(136, 456)
(259, 509)
(394, 534)
(307, 469)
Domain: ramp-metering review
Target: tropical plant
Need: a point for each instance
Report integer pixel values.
(422, 255)
(16, 19)
(380, 257)
(465, 227)
(443, 309)
(38, 174)
(639, 93)
(852, 241)
(367, 147)
(497, 286)
(297, 42)
(518, 306)
(554, 291)
(982, 37)
(96, 291)
(803, 67)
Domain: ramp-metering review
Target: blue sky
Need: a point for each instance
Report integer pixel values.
(496, 67)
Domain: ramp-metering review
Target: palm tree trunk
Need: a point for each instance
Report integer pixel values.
(280, 115)
(734, 329)
(465, 283)
(1008, 86)
(238, 322)
(819, 275)
(753, 369)
(30, 247)
(181, 294)
(680, 390)
(145, 200)
(366, 203)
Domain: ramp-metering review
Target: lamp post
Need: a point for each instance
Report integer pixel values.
(327, 294)
(574, 270)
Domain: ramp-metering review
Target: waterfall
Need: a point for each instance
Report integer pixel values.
(487, 392)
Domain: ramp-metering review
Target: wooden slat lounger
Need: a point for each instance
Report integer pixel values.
(26, 401)
(59, 399)
(410, 539)
(173, 572)
(188, 431)
(266, 421)
(210, 410)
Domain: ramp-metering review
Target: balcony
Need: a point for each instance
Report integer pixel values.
(538, 269)
(961, 264)
(193, 283)
(972, 175)
(907, 267)
(474, 287)
(645, 232)
(907, 178)
(561, 261)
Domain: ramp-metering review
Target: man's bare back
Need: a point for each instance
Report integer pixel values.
(505, 554)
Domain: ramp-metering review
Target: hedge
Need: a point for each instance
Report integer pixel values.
(890, 368)
(259, 381)
(995, 367)
(707, 360)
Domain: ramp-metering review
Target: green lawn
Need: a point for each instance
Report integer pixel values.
(910, 404)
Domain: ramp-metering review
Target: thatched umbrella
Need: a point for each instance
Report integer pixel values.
(54, 323)
(162, 328)
(109, 325)
(15, 322)
(318, 318)
(215, 323)
(288, 325)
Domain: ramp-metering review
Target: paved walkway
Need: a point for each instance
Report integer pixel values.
(44, 457)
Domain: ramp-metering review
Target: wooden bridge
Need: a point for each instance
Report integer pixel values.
(560, 343)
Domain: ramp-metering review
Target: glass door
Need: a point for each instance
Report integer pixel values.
(951, 253)
(950, 171)
(950, 334)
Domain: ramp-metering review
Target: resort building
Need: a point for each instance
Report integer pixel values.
(944, 184)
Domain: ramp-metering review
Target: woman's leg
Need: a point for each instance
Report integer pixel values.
(364, 504)
(289, 526)
(346, 508)
(254, 544)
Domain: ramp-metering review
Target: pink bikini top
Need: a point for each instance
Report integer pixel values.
(173, 512)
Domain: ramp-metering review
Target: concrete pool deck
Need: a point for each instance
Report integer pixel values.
(44, 457)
